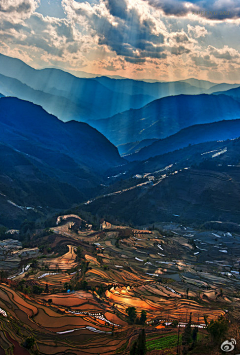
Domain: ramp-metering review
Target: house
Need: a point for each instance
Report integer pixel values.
(105, 225)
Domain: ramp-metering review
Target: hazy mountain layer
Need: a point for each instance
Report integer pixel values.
(234, 93)
(164, 117)
(93, 100)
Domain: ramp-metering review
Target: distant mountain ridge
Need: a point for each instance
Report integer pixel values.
(59, 105)
(69, 97)
(164, 117)
(83, 92)
(222, 88)
(234, 93)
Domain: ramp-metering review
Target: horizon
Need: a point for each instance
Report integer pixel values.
(93, 76)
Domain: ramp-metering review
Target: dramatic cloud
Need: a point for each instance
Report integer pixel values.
(165, 39)
(209, 9)
(224, 53)
(124, 29)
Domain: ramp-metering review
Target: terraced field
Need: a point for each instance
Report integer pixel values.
(77, 302)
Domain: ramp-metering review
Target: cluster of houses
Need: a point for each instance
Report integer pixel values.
(75, 223)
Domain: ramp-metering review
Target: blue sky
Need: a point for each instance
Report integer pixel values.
(152, 39)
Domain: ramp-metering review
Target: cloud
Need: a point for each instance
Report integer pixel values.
(124, 29)
(224, 53)
(18, 9)
(117, 8)
(204, 61)
(178, 50)
(181, 37)
(197, 31)
(208, 9)
(135, 60)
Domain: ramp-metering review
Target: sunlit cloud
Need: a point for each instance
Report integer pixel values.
(132, 38)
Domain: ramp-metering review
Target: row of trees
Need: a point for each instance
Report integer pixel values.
(132, 316)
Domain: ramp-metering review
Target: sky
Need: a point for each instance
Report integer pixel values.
(140, 39)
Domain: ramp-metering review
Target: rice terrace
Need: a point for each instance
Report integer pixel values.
(93, 291)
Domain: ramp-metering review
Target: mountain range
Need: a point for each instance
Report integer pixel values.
(83, 99)
(164, 117)
(180, 142)
(80, 93)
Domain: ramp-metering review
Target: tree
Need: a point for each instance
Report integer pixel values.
(37, 290)
(34, 264)
(84, 267)
(29, 343)
(79, 253)
(100, 290)
(132, 314)
(142, 343)
(139, 346)
(175, 323)
(194, 335)
(82, 285)
(3, 275)
(21, 285)
(143, 317)
(218, 328)
(27, 290)
(187, 335)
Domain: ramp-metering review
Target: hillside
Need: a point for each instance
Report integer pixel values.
(78, 140)
(222, 130)
(46, 162)
(191, 185)
(27, 192)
